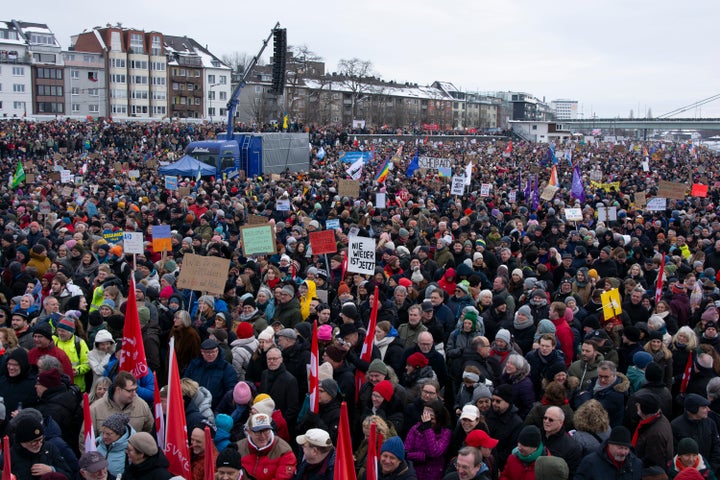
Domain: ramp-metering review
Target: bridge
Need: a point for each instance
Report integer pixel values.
(641, 123)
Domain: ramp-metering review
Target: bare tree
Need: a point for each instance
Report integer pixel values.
(301, 63)
(356, 74)
(238, 61)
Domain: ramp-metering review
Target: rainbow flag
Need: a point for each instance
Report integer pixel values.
(383, 172)
(553, 177)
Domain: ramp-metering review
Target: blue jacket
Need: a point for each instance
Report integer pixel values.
(115, 452)
(218, 376)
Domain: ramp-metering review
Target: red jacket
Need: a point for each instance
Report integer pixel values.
(564, 333)
(515, 469)
(276, 462)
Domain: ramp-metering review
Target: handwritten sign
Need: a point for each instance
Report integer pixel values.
(348, 188)
(549, 192)
(573, 214)
(361, 255)
(133, 242)
(256, 219)
(458, 185)
(161, 238)
(258, 240)
(45, 208)
(485, 190)
(640, 199)
(656, 204)
(282, 205)
(332, 223)
(380, 200)
(674, 190)
(205, 274)
(512, 196)
(699, 190)
(323, 242)
(430, 162)
(66, 176)
(171, 182)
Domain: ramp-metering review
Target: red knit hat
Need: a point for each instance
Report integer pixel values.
(244, 330)
(417, 360)
(385, 389)
(167, 292)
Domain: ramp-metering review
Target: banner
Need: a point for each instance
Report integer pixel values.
(314, 374)
(431, 162)
(674, 190)
(361, 256)
(352, 157)
(176, 449)
(133, 348)
(355, 170)
(608, 187)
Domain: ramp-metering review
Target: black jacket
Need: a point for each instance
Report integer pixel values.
(598, 466)
(282, 386)
(703, 431)
(23, 460)
(153, 468)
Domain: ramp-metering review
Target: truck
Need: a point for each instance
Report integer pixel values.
(255, 153)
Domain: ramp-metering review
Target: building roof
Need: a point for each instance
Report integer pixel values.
(186, 46)
(339, 84)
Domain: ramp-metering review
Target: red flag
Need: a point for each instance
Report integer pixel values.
(159, 417)
(371, 467)
(366, 354)
(659, 284)
(344, 462)
(7, 470)
(509, 147)
(314, 380)
(344, 266)
(89, 438)
(209, 464)
(133, 350)
(355, 142)
(176, 450)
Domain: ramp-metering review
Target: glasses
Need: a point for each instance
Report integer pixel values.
(429, 392)
(549, 419)
(129, 390)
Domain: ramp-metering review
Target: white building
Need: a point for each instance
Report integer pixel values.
(15, 73)
(565, 109)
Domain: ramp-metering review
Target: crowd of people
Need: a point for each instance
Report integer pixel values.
(493, 356)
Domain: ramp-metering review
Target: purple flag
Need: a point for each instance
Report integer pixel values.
(535, 196)
(578, 189)
(528, 188)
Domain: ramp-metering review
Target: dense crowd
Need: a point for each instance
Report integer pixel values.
(493, 355)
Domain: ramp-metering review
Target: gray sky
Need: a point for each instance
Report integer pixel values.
(613, 56)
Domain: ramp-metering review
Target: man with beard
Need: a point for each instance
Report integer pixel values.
(614, 459)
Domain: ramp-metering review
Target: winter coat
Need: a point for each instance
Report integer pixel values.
(242, 350)
(98, 359)
(63, 405)
(20, 388)
(702, 467)
(296, 359)
(141, 418)
(323, 471)
(187, 346)
(403, 472)
(392, 354)
(523, 394)
(426, 448)
(599, 466)
(613, 398)
(655, 442)
(115, 452)
(505, 428)
(516, 469)
(153, 468)
(217, 376)
(565, 336)
(283, 388)
(585, 372)
(22, 460)
(78, 359)
(660, 391)
(288, 313)
(275, 462)
(539, 364)
(564, 446)
(590, 442)
(457, 342)
(203, 401)
(703, 431)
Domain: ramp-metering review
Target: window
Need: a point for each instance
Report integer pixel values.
(19, 106)
(75, 107)
(156, 48)
(159, 66)
(197, 100)
(75, 74)
(119, 109)
(223, 95)
(18, 88)
(258, 89)
(117, 78)
(223, 79)
(118, 63)
(181, 72)
(211, 111)
(49, 90)
(51, 73)
(158, 80)
(211, 79)
(18, 71)
(190, 87)
(211, 95)
(93, 108)
(136, 43)
(42, 39)
(50, 107)
(93, 92)
(44, 57)
(158, 96)
(159, 110)
(93, 76)
(141, 64)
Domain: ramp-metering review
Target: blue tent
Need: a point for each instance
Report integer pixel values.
(188, 166)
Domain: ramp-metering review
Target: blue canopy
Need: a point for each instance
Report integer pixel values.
(188, 166)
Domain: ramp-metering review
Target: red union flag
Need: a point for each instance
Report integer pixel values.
(660, 280)
(89, 431)
(7, 468)
(176, 450)
(344, 462)
(159, 417)
(133, 350)
(371, 467)
(313, 378)
(367, 350)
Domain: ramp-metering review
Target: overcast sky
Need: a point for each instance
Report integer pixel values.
(612, 56)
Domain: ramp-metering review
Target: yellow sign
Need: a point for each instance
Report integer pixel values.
(611, 303)
(606, 186)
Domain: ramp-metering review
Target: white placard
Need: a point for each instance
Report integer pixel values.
(512, 196)
(458, 185)
(66, 176)
(361, 255)
(606, 214)
(133, 242)
(485, 189)
(380, 200)
(656, 204)
(573, 214)
(282, 205)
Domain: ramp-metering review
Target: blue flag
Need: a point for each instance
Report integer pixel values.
(578, 189)
(550, 156)
(414, 165)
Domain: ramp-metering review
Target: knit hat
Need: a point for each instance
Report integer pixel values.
(343, 288)
(641, 359)
(693, 402)
(530, 436)
(169, 278)
(229, 457)
(117, 422)
(498, 300)
(709, 314)
(649, 403)
(349, 310)
(503, 334)
(43, 329)
(49, 378)
(620, 436)
(385, 389)
(144, 443)
(480, 439)
(417, 360)
(551, 467)
(335, 353)
(28, 429)
(117, 250)
(288, 289)
(288, 333)
(330, 386)
(263, 403)
(207, 300)
(108, 302)
(325, 371)
(687, 445)
(244, 330)
(481, 391)
(66, 324)
(242, 394)
(267, 334)
(325, 333)
(249, 302)
(395, 446)
(378, 366)
(347, 329)
(653, 372)
(224, 422)
(504, 391)
(166, 292)
(525, 310)
(143, 315)
(554, 369)
(632, 333)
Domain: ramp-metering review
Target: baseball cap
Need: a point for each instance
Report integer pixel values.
(92, 462)
(316, 437)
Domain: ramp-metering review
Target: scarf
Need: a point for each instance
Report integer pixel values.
(383, 344)
(246, 317)
(643, 422)
(680, 467)
(522, 325)
(529, 458)
(618, 465)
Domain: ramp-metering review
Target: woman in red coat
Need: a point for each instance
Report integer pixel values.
(521, 464)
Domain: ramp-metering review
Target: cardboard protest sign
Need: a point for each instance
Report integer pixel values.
(206, 274)
(256, 219)
(675, 190)
(348, 188)
(640, 199)
(573, 214)
(549, 192)
(323, 242)
(361, 255)
(258, 240)
(161, 238)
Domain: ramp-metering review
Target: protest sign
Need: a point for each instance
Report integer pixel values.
(361, 255)
(171, 183)
(380, 200)
(457, 186)
(656, 204)
(485, 190)
(611, 304)
(205, 274)
(699, 190)
(323, 242)
(674, 190)
(348, 188)
(436, 163)
(161, 238)
(258, 240)
(283, 205)
(256, 219)
(549, 192)
(113, 237)
(573, 214)
(133, 242)
(640, 199)
(332, 224)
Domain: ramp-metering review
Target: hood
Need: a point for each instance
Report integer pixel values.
(449, 274)
(104, 336)
(19, 355)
